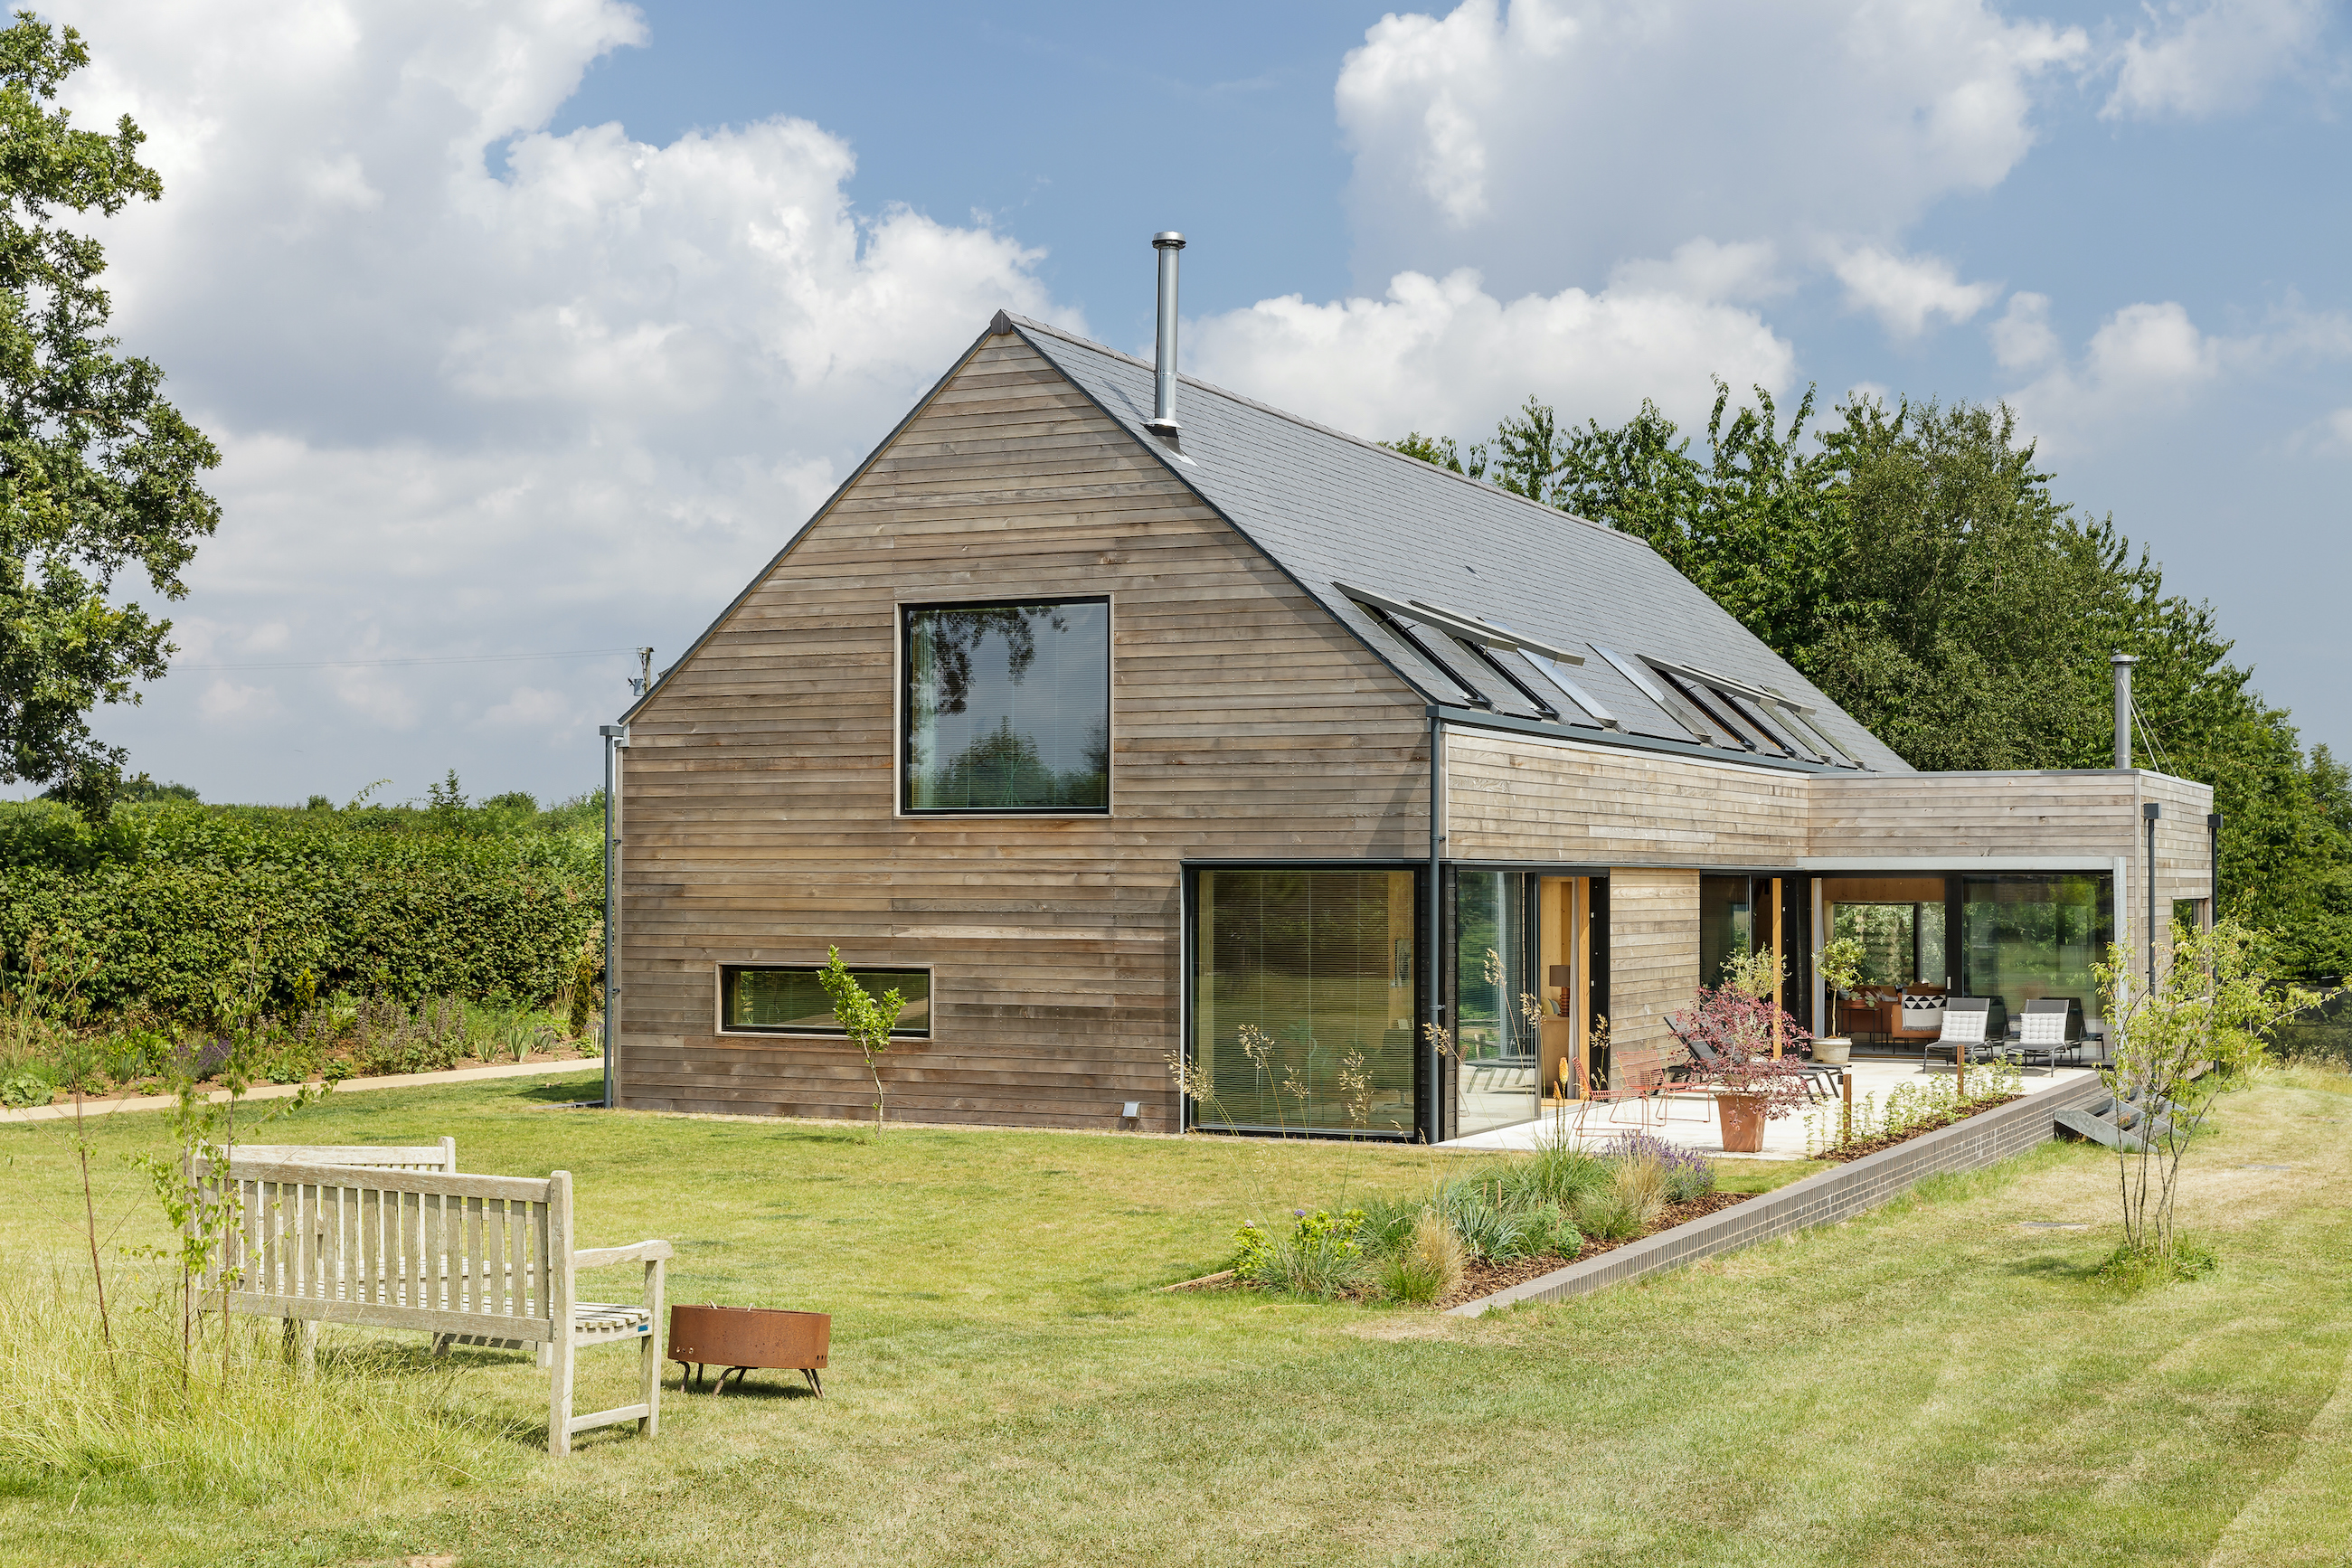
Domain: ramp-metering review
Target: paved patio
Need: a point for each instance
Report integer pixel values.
(1689, 1120)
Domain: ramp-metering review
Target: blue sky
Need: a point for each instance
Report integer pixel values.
(537, 325)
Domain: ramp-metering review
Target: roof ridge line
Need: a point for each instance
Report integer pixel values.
(1299, 420)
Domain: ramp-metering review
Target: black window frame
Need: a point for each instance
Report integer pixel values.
(726, 972)
(907, 610)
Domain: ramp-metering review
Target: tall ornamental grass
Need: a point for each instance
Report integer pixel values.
(234, 1425)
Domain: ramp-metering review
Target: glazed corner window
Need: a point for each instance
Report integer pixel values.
(768, 999)
(1007, 708)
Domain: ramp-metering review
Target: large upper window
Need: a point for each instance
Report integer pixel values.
(1007, 706)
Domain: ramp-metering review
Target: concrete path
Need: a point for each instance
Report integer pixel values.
(1689, 1121)
(103, 1106)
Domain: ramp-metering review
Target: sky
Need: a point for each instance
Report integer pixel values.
(537, 327)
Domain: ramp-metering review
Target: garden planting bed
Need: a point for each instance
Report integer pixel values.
(1848, 1152)
(1485, 1278)
(1861, 1183)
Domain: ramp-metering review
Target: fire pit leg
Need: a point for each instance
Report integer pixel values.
(740, 1372)
(814, 1386)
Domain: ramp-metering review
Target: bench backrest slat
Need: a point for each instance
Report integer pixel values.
(431, 1241)
(441, 1156)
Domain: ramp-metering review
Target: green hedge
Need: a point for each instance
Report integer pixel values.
(171, 897)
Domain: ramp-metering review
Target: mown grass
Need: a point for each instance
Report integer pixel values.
(1932, 1383)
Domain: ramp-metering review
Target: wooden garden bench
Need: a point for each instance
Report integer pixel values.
(486, 1259)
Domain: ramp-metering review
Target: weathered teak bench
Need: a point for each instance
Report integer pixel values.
(487, 1258)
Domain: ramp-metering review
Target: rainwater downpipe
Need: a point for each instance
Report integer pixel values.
(616, 736)
(1436, 919)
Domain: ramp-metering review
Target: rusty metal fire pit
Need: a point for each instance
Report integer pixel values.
(740, 1338)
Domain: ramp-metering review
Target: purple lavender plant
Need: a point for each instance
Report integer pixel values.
(1689, 1173)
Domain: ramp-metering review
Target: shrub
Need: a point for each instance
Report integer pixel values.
(1323, 1256)
(1627, 1206)
(1559, 1173)
(1609, 1216)
(170, 896)
(1427, 1267)
(1688, 1173)
(1389, 1223)
(1497, 1231)
(1641, 1182)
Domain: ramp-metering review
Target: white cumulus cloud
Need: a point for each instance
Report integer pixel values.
(482, 388)
(1904, 291)
(1550, 139)
(2150, 359)
(2021, 337)
(2195, 61)
(229, 699)
(1444, 356)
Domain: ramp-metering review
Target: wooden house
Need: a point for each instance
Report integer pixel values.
(1114, 741)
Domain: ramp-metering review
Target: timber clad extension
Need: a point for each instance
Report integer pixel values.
(1292, 615)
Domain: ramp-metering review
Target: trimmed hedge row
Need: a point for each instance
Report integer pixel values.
(173, 902)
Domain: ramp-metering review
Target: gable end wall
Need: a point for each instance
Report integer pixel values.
(760, 781)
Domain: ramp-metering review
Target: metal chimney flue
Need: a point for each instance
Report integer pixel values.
(1163, 357)
(2122, 664)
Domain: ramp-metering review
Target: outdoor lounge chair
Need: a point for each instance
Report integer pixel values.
(2051, 1026)
(1965, 1018)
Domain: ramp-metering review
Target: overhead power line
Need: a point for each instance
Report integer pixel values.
(431, 658)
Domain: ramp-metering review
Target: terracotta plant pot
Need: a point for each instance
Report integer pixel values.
(1833, 1050)
(1743, 1122)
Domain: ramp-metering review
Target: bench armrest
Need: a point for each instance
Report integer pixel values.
(637, 1252)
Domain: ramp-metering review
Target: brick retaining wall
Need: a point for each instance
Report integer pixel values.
(1824, 1199)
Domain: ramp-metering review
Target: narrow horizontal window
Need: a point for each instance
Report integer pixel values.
(1007, 708)
(790, 999)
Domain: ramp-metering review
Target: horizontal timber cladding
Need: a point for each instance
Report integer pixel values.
(760, 782)
(1958, 817)
(1653, 965)
(1511, 797)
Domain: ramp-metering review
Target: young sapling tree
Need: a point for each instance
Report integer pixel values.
(865, 1019)
(2178, 1046)
(1839, 963)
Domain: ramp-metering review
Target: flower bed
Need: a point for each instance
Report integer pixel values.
(1484, 1279)
(1855, 1149)
(1472, 1234)
(1841, 1132)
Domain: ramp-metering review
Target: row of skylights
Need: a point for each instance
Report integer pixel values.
(1493, 666)
(1501, 671)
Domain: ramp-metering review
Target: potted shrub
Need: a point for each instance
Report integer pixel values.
(1839, 963)
(1731, 1031)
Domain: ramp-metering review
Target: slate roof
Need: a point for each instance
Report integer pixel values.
(1330, 509)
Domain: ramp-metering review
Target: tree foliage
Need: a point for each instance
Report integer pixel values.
(2179, 1046)
(1914, 563)
(98, 472)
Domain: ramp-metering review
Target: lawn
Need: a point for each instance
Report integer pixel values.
(1932, 1383)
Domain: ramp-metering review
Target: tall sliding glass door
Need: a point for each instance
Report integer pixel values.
(1305, 996)
(1497, 1005)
